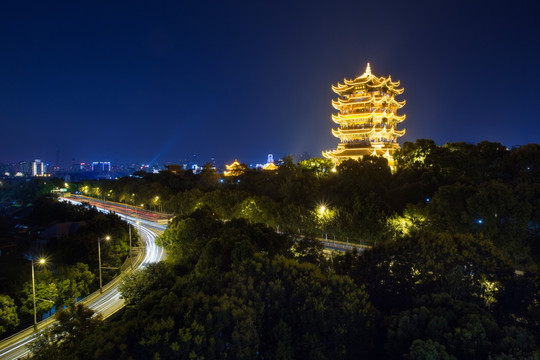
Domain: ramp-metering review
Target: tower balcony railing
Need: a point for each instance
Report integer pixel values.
(366, 143)
(369, 125)
(355, 145)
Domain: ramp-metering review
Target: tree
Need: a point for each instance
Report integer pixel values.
(442, 327)
(46, 296)
(138, 284)
(421, 263)
(428, 350)
(73, 325)
(8, 314)
(317, 167)
(73, 282)
(414, 219)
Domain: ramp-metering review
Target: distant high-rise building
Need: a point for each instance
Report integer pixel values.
(24, 168)
(38, 168)
(101, 166)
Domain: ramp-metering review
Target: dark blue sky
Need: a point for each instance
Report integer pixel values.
(163, 80)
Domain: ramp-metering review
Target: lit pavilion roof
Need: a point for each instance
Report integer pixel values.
(270, 166)
(338, 118)
(368, 131)
(377, 100)
(234, 169)
(356, 153)
(369, 80)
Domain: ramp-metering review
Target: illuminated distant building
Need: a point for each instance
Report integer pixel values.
(38, 168)
(175, 169)
(101, 166)
(270, 163)
(196, 169)
(367, 118)
(234, 169)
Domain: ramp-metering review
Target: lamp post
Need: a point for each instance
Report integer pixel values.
(99, 258)
(322, 210)
(130, 261)
(158, 203)
(41, 261)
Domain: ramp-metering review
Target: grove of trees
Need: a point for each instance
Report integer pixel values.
(71, 268)
(452, 272)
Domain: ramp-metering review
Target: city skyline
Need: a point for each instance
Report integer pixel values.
(151, 83)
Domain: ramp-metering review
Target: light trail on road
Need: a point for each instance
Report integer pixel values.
(106, 304)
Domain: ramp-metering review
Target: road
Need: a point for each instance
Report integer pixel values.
(342, 246)
(108, 303)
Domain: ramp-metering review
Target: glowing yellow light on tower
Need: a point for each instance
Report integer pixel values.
(367, 118)
(234, 169)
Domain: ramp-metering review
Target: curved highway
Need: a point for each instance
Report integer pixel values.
(106, 304)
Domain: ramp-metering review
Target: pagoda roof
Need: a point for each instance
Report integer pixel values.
(357, 153)
(234, 169)
(233, 165)
(270, 166)
(369, 80)
(338, 118)
(368, 131)
(377, 100)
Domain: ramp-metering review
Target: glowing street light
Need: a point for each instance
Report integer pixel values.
(41, 262)
(158, 203)
(323, 217)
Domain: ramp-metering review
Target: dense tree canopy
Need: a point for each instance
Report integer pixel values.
(71, 266)
(246, 277)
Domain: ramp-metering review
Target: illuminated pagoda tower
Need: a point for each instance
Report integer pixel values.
(367, 118)
(235, 169)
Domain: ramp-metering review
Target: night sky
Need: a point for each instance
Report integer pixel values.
(161, 81)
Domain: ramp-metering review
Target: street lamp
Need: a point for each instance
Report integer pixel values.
(322, 210)
(41, 262)
(99, 257)
(158, 203)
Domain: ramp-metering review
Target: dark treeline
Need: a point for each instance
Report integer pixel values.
(449, 229)
(28, 230)
(482, 189)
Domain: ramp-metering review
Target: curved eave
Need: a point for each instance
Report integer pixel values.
(358, 153)
(337, 104)
(400, 118)
(392, 83)
(391, 101)
(340, 88)
(369, 131)
(338, 118)
(361, 80)
(270, 167)
(350, 117)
